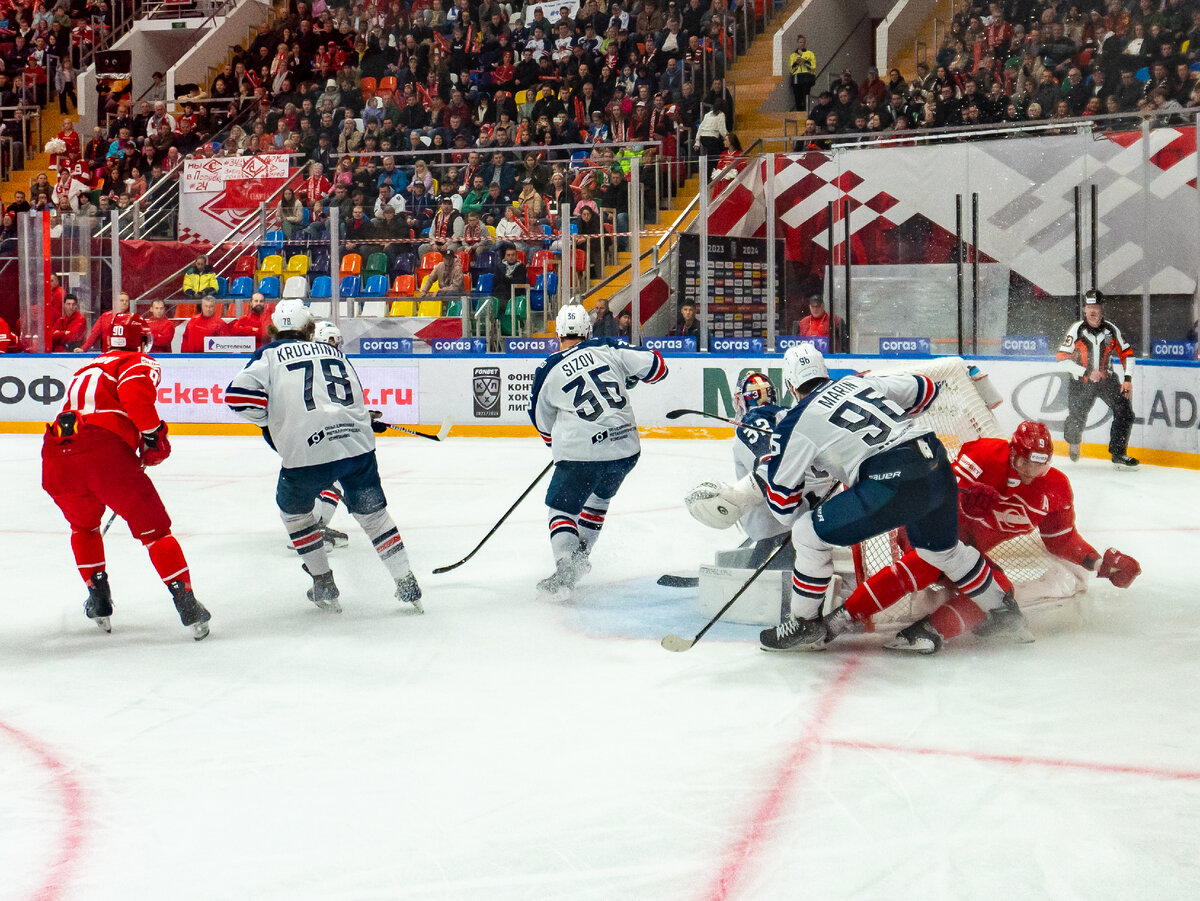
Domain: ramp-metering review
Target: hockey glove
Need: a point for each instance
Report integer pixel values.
(155, 446)
(630, 381)
(1118, 568)
(377, 426)
(978, 499)
(719, 505)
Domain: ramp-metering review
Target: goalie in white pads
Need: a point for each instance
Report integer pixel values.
(860, 430)
(308, 399)
(580, 406)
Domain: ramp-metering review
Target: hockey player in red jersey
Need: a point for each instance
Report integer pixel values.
(1006, 489)
(90, 460)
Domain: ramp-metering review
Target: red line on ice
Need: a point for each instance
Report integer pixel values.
(1024, 760)
(72, 801)
(762, 818)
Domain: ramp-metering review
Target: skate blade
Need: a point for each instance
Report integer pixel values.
(554, 595)
(924, 648)
(104, 623)
(199, 631)
(332, 605)
(819, 646)
(416, 605)
(1120, 467)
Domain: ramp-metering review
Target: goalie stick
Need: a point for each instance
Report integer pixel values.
(675, 414)
(447, 423)
(678, 643)
(669, 581)
(507, 513)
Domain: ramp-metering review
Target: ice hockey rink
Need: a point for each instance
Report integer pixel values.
(504, 748)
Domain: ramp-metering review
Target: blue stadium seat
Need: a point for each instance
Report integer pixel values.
(377, 286)
(482, 286)
(243, 286)
(321, 287)
(222, 286)
(269, 287)
(351, 286)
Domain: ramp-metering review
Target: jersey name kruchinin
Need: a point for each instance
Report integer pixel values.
(308, 397)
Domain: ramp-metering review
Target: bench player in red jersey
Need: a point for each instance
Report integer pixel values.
(94, 456)
(1006, 489)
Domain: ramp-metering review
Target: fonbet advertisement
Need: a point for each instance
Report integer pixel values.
(494, 391)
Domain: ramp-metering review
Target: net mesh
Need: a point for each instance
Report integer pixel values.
(960, 414)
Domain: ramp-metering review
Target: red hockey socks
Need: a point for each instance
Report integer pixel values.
(167, 557)
(88, 548)
(888, 586)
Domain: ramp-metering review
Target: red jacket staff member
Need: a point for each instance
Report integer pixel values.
(201, 326)
(162, 328)
(90, 460)
(68, 330)
(254, 320)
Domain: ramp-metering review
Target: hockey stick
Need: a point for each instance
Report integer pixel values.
(507, 513)
(678, 643)
(675, 414)
(670, 581)
(108, 525)
(441, 433)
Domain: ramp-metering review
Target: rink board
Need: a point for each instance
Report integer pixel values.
(489, 395)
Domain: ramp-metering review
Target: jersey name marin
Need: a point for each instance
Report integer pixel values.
(308, 397)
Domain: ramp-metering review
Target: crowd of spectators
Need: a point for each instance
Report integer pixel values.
(1019, 61)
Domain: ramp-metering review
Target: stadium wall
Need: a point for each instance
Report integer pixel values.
(488, 396)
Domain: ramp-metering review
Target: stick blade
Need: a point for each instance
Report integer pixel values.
(446, 569)
(670, 581)
(447, 424)
(675, 414)
(677, 643)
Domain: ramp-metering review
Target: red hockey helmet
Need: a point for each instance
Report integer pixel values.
(129, 332)
(1031, 441)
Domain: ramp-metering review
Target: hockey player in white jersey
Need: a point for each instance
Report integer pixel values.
(308, 398)
(860, 430)
(579, 405)
(327, 502)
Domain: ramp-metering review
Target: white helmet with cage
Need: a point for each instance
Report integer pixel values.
(291, 315)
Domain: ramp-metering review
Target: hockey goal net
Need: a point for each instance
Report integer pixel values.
(960, 414)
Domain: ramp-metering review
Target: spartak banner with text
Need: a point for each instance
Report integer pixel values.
(218, 192)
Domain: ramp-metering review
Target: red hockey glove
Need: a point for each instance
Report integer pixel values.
(1118, 568)
(978, 499)
(155, 446)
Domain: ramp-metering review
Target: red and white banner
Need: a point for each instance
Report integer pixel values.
(218, 192)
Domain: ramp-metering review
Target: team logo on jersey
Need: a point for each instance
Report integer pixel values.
(485, 388)
(600, 436)
(1043, 398)
(316, 438)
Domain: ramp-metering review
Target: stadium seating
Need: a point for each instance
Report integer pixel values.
(350, 286)
(269, 287)
(243, 286)
(296, 286)
(321, 287)
(376, 286)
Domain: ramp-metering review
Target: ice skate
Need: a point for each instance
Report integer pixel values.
(324, 592)
(1073, 452)
(409, 592)
(559, 586)
(1125, 463)
(582, 562)
(334, 538)
(842, 623)
(191, 612)
(795, 635)
(921, 637)
(98, 606)
(1006, 619)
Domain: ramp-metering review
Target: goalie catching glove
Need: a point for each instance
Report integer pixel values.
(1118, 568)
(720, 505)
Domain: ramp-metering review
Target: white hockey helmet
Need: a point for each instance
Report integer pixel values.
(328, 333)
(573, 321)
(802, 363)
(291, 315)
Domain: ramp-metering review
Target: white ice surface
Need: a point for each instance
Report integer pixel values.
(502, 748)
